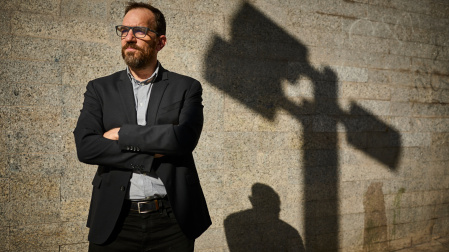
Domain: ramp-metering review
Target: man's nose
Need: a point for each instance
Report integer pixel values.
(130, 36)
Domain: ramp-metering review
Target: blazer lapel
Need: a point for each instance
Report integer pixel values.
(157, 91)
(127, 97)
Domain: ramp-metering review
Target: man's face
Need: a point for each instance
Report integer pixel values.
(140, 52)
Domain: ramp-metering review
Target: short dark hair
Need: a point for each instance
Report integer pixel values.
(160, 19)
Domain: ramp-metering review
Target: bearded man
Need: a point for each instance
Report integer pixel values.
(140, 127)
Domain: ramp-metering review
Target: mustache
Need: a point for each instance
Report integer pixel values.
(133, 46)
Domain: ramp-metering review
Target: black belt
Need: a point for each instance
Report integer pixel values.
(148, 206)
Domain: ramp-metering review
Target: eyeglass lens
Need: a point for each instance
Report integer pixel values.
(139, 32)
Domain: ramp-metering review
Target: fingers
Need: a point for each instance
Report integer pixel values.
(112, 134)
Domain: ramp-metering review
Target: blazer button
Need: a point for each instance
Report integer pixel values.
(122, 188)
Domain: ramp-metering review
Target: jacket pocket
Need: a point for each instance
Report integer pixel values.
(169, 114)
(173, 106)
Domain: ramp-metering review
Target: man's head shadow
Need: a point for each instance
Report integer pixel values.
(259, 228)
(251, 68)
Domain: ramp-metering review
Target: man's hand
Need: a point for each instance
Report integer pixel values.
(112, 134)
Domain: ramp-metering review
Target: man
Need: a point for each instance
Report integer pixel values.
(140, 127)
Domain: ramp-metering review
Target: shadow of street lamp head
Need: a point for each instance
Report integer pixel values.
(251, 66)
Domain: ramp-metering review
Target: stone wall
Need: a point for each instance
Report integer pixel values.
(326, 122)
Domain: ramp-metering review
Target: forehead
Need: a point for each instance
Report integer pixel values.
(139, 17)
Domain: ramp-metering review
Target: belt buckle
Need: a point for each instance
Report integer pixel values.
(146, 202)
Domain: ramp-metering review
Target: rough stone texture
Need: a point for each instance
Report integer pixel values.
(338, 108)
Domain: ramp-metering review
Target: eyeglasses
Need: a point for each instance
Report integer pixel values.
(138, 31)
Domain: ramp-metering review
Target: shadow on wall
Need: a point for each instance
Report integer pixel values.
(251, 67)
(260, 229)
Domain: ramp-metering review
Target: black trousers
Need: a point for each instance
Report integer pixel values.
(155, 232)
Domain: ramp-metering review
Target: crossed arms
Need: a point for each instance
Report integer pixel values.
(103, 146)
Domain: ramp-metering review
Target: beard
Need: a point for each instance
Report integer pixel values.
(139, 58)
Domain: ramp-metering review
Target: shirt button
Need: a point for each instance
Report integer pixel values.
(141, 104)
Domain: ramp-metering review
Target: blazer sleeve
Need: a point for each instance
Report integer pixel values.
(93, 148)
(170, 138)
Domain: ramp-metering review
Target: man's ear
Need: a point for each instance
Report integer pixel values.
(162, 41)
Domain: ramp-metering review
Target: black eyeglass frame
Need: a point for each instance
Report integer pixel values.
(120, 34)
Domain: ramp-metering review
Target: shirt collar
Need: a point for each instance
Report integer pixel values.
(145, 82)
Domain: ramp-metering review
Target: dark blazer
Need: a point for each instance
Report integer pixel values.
(174, 124)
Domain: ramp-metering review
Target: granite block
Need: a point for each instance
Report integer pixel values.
(334, 7)
(4, 237)
(22, 71)
(351, 74)
(32, 48)
(75, 168)
(416, 139)
(44, 211)
(51, 27)
(73, 187)
(35, 164)
(80, 247)
(182, 21)
(67, 138)
(73, 232)
(439, 9)
(268, 141)
(209, 160)
(4, 166)
(351, 240)
(4, 189)
(210, 141)
(440, 228)
(85, 9)
(6, 45)
(36, 129)
(440, 139)
(440, 153)
(5, 214)
(419, 93)
(35, 188)
(213, 98)
(44, 237)
(378, 76)
(434, 110)
(318, 21)
(92, 54)
(240, 141)
(364, 91)
(400, 243)
(239, 122)
(29, 94)
(395, 14)
(72, 96)
(117, 11)
(376, 107)
(47, 7)
(5, 17)
(193, 44)
(212, 238)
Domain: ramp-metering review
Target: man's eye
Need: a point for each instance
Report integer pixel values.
(139, 31)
